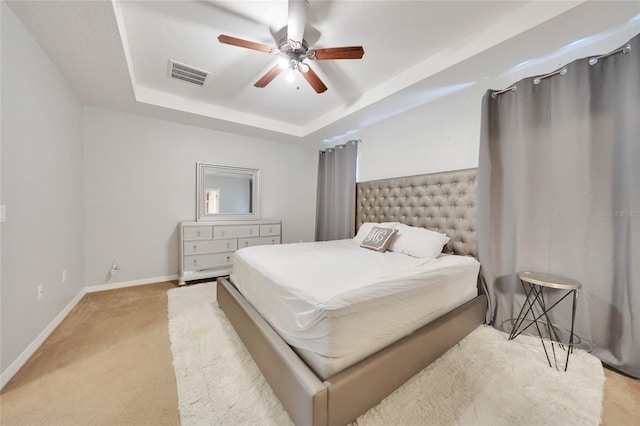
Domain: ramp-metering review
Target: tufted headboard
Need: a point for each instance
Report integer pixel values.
(443, 202)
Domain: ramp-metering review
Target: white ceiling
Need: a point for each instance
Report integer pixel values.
(188, 35)
(115, 55)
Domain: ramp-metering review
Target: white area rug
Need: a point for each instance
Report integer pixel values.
(484, 380)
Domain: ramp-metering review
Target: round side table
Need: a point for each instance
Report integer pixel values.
(535, 311)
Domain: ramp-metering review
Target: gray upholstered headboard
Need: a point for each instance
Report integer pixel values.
(443, 202)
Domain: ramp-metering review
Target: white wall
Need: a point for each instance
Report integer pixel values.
(441, 135)
(140, 177)
(42, 189)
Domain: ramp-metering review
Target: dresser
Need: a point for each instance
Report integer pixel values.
(207, 248)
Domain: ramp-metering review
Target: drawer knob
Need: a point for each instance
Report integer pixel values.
(228, 245)
(198, 233)
(251, 231)
(195, 262)
(246, 243)
(273, 241)
(222, 233)
(195, 247)
(228, 259)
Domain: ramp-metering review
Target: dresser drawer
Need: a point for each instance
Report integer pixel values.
(197, 233)
(237, 231)
(211, 246)
(260, 241)
(266, 230)
(203, 261)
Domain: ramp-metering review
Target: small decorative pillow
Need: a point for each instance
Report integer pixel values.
(366, 227)
(378, 239)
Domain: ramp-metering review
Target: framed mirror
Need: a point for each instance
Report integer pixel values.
(225, 192)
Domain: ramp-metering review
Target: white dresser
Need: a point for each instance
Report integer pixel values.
(207, 248)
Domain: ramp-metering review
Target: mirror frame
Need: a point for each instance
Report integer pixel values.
(203, 168)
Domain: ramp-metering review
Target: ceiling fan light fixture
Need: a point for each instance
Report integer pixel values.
(290, 76)
(283, 62)
(303, 67)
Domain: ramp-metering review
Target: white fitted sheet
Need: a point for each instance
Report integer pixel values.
(435, 302)
(338, 300)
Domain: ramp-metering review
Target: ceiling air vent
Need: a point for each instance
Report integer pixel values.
(187, 73)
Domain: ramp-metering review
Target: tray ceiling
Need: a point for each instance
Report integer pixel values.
(117, 54)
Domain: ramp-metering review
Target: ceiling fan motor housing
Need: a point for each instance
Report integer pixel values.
(294, 53)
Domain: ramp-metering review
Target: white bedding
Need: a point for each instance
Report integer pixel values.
(337, 300)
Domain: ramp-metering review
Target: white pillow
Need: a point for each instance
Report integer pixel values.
(366, 227)
(418, 242)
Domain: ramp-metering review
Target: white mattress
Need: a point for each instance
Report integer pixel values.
(337, 300)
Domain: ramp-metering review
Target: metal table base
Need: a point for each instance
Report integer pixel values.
(535, 312)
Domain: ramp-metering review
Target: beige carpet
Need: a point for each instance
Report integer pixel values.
(109, 363)
(484, 380)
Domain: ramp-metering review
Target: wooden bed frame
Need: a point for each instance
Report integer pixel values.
(440, 201)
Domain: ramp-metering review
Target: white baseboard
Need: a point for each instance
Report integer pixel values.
(113, 286)
(33, 347)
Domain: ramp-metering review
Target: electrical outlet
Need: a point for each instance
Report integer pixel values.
(114, 268)
(64, 275)
(40, 291)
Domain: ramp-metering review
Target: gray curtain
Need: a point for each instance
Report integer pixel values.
(335, 207)
(559, 192)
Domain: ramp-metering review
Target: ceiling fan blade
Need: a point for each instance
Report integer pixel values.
(233, 41)
(296, 22)
(313, 79)
(268, 77)
(348, 52)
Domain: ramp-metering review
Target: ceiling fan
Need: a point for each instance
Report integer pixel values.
(294, 50)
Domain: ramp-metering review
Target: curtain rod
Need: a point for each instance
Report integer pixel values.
(332, 148)
(562, 71)
(500, 92)
(624, 49)
(594, 60)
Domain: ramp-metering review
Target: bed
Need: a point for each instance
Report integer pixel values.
(316, 393)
